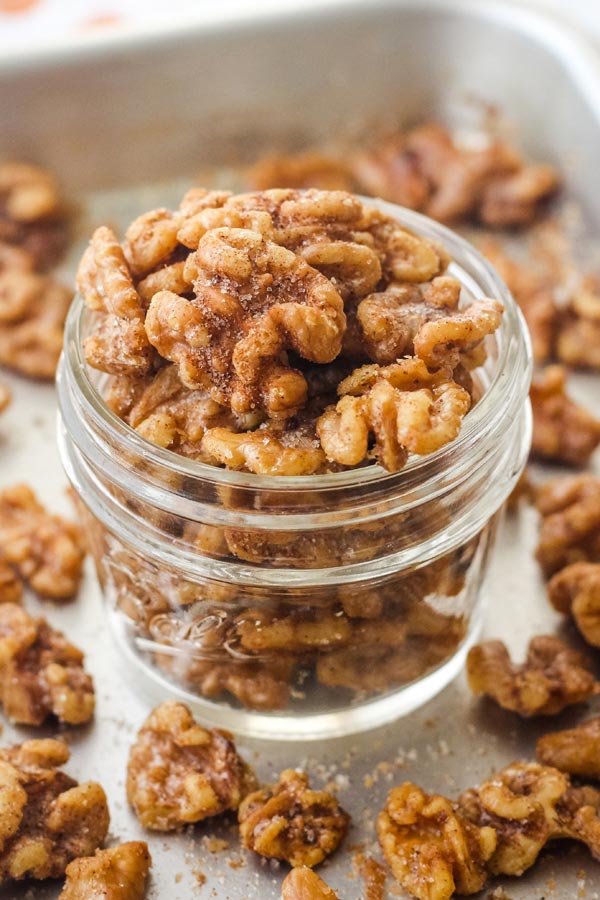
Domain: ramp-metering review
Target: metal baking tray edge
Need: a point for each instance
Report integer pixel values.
(146, 111)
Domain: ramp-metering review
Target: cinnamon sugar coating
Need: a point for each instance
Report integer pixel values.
(179, 772)
(551, 678)
(46, 818)
(292, 822)
(41, 673)
(119, 873)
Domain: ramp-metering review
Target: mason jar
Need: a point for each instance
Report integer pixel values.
(310, 606)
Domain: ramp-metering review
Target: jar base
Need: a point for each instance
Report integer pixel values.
(294, 726)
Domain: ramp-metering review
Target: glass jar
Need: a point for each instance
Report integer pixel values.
(287, 607)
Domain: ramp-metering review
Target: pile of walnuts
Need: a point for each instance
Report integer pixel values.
(282, 332)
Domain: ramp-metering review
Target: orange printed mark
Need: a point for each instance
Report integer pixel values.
(17, 6)
(106, 20)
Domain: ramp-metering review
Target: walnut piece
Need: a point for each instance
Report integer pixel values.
(563, 431)
(46, 818)
(180, 772)
(292, 822)
(33, 309)
(527, 805)
(578, 340)
(427, 169)
(574, 750)
(32, 216)
(45, 550)
(304, 884)
(41, 673)
(551, 678)
(431, 848)
(270, 450)
(11, 586)
(575, 591)
(570, 529)
(119, 873)
(403, 407)
(253, 301)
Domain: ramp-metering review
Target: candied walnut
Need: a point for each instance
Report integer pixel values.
(32, 216)
(33, 309)
(119, 873)
(179, 772)
(292, 822)
(390, 171)
(46, 818)
(551, 678)
(575, 591)
(267, 451)
(404, 407)
(432, 849)
(118, 344)
(578, 340)
(5, 397)
(302, 170)
(563, 431)
(516, 199)
(253, 300)
(534, 291)
(574, 750)
(150, 240)
(527, 805)
(41, 673)
(46, 550)
(304, 884)
(570, 529)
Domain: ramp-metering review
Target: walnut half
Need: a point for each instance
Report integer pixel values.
(304, 884)
(575, 590)
(180, 772)
(575, 750)
(46, 818)
(563, 431)
(551, 678)
(292, 822)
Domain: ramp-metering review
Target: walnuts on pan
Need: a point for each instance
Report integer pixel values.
(45, 550)
(563, 431)
(551, 678)
(248, 297)
(119, 873)
(179, 772)
(46, 818)
(41, 673)
(431, 847)
(292, 822)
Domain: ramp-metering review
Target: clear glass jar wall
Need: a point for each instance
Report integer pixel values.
(300, 606)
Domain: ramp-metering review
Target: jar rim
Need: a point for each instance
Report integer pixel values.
(511, 375)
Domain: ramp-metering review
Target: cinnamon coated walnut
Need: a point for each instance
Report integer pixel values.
(551, 678)
(427, 169)
(179, 772)
(575, 591)
(41, 673)
(431, 847)
(119, 873)
(570, 528)
(46, 818)
(575, 750)
(527, 805)
(33, 309)
(11, 586)
(578, 340)
(563, 431)
(45, 550)
(301, 170)
(32, 215)
(387, 413)
(292, 822)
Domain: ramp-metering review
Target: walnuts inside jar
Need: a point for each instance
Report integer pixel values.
(283, 332)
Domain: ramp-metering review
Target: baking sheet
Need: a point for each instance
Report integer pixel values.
(442, 752)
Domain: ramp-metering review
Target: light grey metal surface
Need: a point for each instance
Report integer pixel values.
(167, 109)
